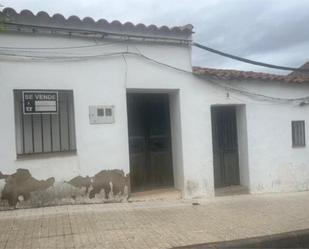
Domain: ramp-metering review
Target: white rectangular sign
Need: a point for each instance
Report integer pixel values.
(38, 102)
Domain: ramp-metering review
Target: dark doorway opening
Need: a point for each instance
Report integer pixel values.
(225, 146)
(149, 141)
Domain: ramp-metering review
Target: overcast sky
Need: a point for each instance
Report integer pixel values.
(272, 31)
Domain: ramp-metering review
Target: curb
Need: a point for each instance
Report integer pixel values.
(294, 239)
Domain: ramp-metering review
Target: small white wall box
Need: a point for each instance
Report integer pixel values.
(101, 114)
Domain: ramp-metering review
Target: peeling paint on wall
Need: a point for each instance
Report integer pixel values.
(113, 182)
(80, 182)
(21, 184)
(21, 190)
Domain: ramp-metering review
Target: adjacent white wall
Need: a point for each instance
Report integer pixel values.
(95, 82)
(242, 137)
(176, 135)
(273, 165)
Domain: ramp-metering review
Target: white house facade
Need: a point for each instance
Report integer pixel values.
(93, 111)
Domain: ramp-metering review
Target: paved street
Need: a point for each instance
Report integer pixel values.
(154, 224)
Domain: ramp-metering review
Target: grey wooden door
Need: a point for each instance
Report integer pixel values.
(225, 146)
(149, 141)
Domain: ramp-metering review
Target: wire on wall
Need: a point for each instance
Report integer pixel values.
(213, 81)
(126, 68)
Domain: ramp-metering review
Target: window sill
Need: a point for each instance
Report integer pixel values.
(44, 155)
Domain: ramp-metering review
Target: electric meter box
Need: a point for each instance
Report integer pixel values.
(101, 114)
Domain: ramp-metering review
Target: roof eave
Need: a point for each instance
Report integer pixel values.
(26, 20)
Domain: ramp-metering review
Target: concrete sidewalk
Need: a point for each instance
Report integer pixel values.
(154, 224)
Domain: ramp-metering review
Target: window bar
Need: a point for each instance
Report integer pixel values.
(73, 124)
(304, 134)
(299, 133)
(22, 128)
(299, 130)
(51, 133)
(59, 119)
(293, 142)
(42, 134)
(68, 118)
(294, 134)
(32, 133)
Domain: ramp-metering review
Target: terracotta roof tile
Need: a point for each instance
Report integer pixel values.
(228, 74)
(300, 74)
(9, 16)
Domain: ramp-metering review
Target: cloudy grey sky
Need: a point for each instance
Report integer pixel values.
(272, 31)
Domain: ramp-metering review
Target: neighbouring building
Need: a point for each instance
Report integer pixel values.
(92, 111)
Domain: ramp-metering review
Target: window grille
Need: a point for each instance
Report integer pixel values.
(45, 132)
(298, 134)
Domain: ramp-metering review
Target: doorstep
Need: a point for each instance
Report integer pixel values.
(231, 190)
(166, 194)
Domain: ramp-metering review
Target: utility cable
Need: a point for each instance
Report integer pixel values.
(257, 63)
(221, 53)
(209, 79)
(63, 48)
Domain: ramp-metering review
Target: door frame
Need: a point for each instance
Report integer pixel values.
(220, 156)
(175, 129)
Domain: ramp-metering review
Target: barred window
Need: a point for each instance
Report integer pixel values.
(298, 134)
(44, 121)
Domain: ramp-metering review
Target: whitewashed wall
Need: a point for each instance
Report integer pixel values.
(273, 164)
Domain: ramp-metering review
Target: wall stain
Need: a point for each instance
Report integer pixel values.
(22, 190)
(80, 182)
(112, 181)
(22, 184)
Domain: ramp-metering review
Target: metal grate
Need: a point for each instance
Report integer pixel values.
(298, 133)
(44, 132)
